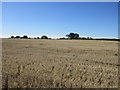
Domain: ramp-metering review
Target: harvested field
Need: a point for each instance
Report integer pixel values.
(36, 63)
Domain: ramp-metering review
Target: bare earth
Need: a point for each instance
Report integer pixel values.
(35, 63)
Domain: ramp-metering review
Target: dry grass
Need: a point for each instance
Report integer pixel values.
(60, 63)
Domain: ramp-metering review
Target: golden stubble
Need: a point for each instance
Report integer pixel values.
(30, 63)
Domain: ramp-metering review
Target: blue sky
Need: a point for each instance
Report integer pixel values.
(56, 19)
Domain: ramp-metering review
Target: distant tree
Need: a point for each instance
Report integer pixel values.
(76, 36)
(80, 37)
(44, 37)
(83, 38)
(38, 38)
(12, 37)
(35, 38)
(29, 38)
(73, 36)
(89, 38)
(25, 36)
(17, 37)
(62, 38)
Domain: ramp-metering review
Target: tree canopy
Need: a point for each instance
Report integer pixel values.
(44, 37)
(25, 36)
(17, 37)
(73, 36)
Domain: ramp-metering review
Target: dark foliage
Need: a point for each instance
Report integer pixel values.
(17, 37)
(38, 38)
(73, 36)
(44, 37)
(89, 38)
(107, 39)
(25, 37)
(83, 38)
(12, 37)
(62, 38)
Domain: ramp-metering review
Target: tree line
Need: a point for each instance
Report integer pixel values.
(69, 36)
(26, 37)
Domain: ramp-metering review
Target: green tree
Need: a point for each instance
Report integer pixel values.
(25, 36)
(17, 37)
(12, 37)
(44, 37)
(73, 36)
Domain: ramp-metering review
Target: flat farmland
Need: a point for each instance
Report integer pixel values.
(36, 63)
